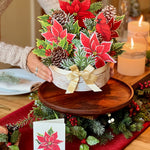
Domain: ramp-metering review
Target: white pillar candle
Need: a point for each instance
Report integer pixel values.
(139, 31)
(131, 66)
(132, 61)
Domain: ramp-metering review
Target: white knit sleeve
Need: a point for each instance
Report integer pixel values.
(47, 5)
(14, 55)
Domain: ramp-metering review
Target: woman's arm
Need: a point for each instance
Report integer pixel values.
(47, 5)
(14, 55)
(24, 58)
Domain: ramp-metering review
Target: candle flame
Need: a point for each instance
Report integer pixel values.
(140, 21)
(132, 43)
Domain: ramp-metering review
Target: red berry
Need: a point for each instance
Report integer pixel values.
(41, 46)
(8, 144)
(83, 141)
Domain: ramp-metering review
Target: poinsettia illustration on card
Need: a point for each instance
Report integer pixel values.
(49, 134)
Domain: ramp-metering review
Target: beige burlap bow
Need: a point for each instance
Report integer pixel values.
(86, 74)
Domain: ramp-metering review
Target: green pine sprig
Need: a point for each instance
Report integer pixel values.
(90, 24)
(82, 61)
(94, 7)
(66, 64)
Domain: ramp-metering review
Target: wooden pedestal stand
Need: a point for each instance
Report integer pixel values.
(115, 95)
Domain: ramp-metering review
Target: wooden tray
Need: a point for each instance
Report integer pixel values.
(115, 95)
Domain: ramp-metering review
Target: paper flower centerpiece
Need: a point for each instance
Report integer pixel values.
(79, 44)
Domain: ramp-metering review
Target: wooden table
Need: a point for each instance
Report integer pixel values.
(142, 142)
(10, 103)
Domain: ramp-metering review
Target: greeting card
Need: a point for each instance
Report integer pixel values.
(49, 134)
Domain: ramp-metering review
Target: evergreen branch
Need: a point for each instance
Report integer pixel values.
(95, 7)
(66, 64)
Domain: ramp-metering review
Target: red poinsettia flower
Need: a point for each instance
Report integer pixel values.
(102, 27)
(55, 32)
(78, 9)
(49, 142)
(114, 25)
(94, 48)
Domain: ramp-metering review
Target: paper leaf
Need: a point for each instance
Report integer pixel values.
(84, 147)
(50, 131)
(63, 43)
(79, 132)
(39, 52)
(14, 136)
(118, 18)
(40, 42)
(14, 147)
(76, 27)
(91, 140)
(118, 45)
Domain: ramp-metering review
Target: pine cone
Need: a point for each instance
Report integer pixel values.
(58, 55)
(99, 36)
(109, 11)
(60, 16)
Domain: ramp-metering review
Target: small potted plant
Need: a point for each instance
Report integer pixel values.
(79, 43)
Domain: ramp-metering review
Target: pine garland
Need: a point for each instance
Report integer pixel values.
(126, 121)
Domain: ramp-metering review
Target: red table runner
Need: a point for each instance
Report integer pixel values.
(26, 141)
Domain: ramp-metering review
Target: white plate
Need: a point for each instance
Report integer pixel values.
(26, 80)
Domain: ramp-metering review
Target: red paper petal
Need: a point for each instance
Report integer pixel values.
(49, 36)
(63, 5)
(99, 62)
(55, 31)
(107, 58)
(116, 25)
(70, 9)
(70, 37)
(43, 145)
(85, 41)
(63, 33)
(107, 46)
(114, 34)
(99, 49)
(93, 46)
(58, 26)
(85, 5)
(94, 38)
(110, 23)
(88, 51)
(40, 138)
(76, 8)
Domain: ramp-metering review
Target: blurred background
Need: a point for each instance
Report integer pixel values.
(19, 23)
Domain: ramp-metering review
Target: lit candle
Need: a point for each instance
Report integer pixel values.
(132, 47)
(132, 61)
(138, 26)
(139, 30)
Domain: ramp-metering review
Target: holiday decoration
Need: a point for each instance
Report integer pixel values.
(90, 132)
(9, 137)
(79, 40)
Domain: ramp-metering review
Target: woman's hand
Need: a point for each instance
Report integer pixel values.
(38, 68)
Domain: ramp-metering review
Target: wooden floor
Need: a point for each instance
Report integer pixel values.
(9, 104)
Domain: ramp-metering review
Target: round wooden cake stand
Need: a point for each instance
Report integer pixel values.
(115, 95)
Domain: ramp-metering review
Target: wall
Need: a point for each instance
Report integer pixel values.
(16, 23)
